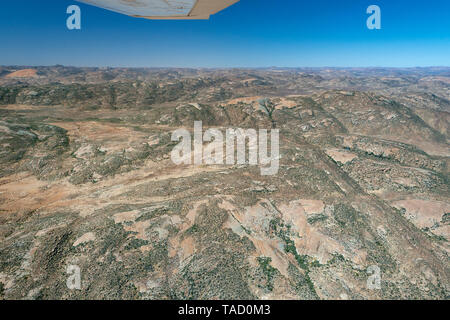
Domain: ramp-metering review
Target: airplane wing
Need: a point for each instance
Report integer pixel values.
(164, 9)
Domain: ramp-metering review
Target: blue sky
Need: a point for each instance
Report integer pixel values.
(252, 33)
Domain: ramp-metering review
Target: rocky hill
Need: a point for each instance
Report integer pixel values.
(86, 179)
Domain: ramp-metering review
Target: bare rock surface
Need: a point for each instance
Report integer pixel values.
(86, 179)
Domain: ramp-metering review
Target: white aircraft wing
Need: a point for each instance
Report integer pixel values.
(164, 9)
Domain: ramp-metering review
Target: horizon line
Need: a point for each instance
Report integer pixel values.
(237, 67)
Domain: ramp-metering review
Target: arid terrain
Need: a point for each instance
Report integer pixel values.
(86, 179)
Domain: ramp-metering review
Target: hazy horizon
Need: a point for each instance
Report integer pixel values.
(226, 68)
